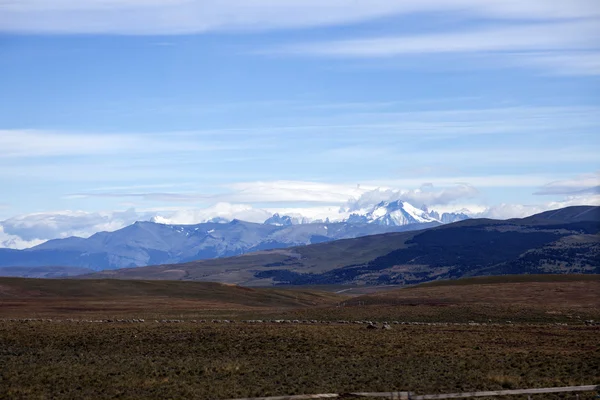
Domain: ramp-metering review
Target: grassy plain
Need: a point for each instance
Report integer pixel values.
(111, 298)
(86, 360)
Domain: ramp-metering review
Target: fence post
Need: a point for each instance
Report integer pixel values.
(400, 395)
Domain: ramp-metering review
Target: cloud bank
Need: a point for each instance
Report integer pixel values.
(587, 184)
(426, 195)
(43, 226)
(322, 201)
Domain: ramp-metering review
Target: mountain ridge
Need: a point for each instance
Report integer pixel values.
(462, 249)
(146, 243)
(149, 243)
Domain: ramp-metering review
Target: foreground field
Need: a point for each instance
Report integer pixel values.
(528, 332)
(69, 360)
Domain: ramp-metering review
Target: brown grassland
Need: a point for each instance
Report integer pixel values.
(546, 344)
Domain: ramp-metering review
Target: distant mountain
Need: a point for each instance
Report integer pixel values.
(43, 272)
(149, 243)
(386, 213)
(448, 218)
(279, 220)
(396, 213)
(560, 241)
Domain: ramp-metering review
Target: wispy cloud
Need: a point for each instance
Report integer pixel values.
(149, 17)
(478, 181)
(586, 184)
(276, 192)
(467, 158)
(463, 138)
(563, 47)
(561, 63)
(293, 192)
(563, 35)
(429, 190)
(40, 143)
(350, 120)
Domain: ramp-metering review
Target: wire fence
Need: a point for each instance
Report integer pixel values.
(411, 396)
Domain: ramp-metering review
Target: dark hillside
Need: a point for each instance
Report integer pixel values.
(560, 241)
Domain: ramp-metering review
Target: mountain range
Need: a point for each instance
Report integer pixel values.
(150, 243)
(559, 241)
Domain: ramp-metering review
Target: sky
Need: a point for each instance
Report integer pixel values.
(113, 111)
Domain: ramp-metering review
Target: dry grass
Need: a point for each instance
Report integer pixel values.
(75, 361)
(580, 294)
(33, 298)
(67, 360)
(550, 301)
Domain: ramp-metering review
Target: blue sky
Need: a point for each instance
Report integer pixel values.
(113, 111)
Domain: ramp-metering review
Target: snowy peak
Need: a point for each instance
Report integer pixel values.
(386, 213)
(279, 220)
(448, 218)
(398, 213)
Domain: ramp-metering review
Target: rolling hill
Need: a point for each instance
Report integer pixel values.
(52, 297)
(43, 272)
(560, 241)
(567, 290)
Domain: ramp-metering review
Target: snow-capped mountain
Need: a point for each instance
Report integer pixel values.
(448, 218)
(150, 243)
(386, 213)
(395, 213)
(279, 220)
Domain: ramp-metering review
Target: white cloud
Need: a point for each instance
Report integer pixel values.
(293, 192)
(426, 195)
(562, 35)
(29, 230)
(578, 200)
(44, 226)
(505, 211)
(143, 17)
(466, 159)
(15, 241)
(562, 63)
(37, 143)
(439, 190)
(580, 185)
(249, 192)
(19, 143)
(564, 48)
(226, 211)
(481, 181)
(444, 123)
